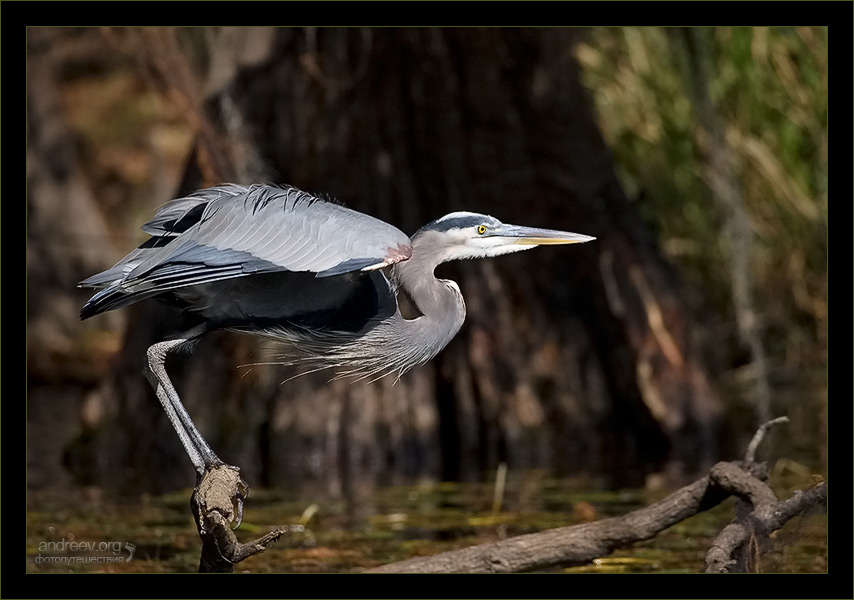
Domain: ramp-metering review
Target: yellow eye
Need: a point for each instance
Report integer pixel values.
(481, 229)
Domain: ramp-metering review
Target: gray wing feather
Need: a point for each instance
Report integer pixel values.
(164, 221)
(279, 229)
(231, 231)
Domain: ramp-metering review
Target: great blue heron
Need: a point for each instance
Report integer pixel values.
(279, 262)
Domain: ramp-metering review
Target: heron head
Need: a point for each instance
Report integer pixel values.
(463, 235)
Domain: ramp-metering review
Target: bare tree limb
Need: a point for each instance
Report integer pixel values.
(567, 546)
(737, 546)
(580, 544)
(750, 453)
(213, 504)
(217, 501)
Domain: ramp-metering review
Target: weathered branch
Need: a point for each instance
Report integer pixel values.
(580, 544)
(750, 453)
(760, 513)
(213, 504)
(567, 546)
(737, 546)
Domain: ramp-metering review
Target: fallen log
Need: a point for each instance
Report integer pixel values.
(581, 544)
(217, 502)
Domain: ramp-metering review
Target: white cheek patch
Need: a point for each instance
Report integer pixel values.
(505, 246)
(486, 246)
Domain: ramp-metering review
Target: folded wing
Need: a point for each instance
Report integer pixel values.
(234, 231)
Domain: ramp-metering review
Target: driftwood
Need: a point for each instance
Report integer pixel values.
(732, 550)
(735, 548)
(581, 544)
(738, 544)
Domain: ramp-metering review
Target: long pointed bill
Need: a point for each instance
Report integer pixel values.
(533, 236)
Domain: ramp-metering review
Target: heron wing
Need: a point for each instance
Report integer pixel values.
(232, 231)
(265, 228)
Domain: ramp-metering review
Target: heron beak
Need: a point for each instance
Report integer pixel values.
(533, 236)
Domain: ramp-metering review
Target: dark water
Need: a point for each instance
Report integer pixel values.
(87, 531)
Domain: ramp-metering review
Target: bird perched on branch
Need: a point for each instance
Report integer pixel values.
(279, 262)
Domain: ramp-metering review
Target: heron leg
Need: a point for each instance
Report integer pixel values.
(200, 453)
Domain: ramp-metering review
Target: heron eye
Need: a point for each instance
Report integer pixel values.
(481, 229)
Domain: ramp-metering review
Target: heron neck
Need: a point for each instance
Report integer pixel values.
(439, 300)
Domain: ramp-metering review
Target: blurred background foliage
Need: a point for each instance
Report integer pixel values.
(769, 87)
